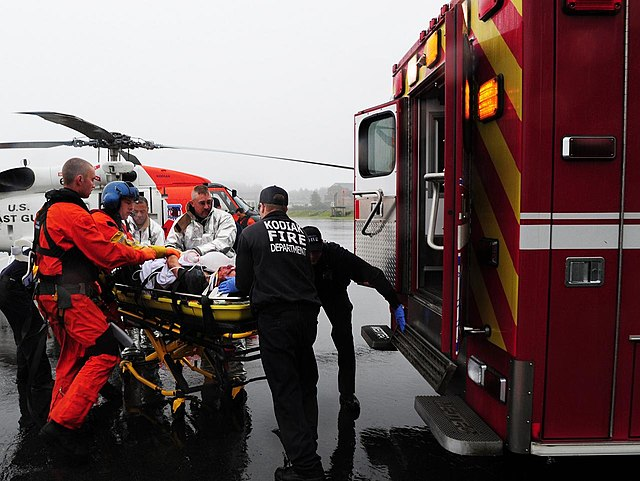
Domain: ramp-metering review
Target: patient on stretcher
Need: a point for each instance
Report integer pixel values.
(196, 275)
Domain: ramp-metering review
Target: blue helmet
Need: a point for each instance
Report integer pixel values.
(114, 191)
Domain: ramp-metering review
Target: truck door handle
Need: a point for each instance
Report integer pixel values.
(437, 179)
(374, 210)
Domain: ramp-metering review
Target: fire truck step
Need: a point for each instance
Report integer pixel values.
(378, 337)
(457, 427)
(434, 366)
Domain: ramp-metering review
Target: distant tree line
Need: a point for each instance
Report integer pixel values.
(310, 198)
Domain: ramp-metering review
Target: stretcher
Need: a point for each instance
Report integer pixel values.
(182, 329)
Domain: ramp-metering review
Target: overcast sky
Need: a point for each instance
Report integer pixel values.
(278, 78)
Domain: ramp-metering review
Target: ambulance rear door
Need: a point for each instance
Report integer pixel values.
(379, 148)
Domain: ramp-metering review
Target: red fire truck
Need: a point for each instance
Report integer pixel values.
(498, 190)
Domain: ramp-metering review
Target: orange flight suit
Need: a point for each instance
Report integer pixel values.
(70, 251)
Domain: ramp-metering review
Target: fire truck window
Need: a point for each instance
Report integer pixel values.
(376, 145)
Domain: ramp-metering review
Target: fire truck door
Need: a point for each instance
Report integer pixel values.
(425, 303)
(629, 359)
(378, 151)
(443, 195)
(592, 379)
(456, 182)
(431, 193)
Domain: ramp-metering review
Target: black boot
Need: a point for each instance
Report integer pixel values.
(111, 393)
(289, 474)
(350, 403)
(39, 403)
(26, 421)
(66, 439)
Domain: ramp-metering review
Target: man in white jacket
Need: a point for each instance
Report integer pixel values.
(205, 229)
(202, 228)
(144, 230)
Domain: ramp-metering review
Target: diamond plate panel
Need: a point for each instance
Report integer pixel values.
(378, 249)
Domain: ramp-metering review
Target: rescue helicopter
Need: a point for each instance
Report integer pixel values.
(22, 187)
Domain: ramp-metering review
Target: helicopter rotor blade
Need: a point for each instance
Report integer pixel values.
(130, 157)
(37, 144)
(76, 123)
(288, 159)
(121, 143)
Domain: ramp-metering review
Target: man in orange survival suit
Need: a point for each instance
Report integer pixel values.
(70, 251)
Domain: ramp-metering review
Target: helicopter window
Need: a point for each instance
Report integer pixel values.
(376, 145)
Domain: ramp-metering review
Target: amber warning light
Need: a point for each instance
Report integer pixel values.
(432, 49)
(467, 101)
(490, 99)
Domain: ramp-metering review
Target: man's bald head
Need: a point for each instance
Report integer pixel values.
(79, 176)
(74, 167)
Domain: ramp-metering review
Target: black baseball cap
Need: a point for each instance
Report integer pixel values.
(274, 195)
(314, 238)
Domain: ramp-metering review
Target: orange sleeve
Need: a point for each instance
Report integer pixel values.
(105, 224)
(70, 225)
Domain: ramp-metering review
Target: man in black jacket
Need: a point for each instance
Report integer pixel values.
(334, 269)
(34, 377)
(272, 265)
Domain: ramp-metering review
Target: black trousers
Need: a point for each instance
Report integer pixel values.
(339, 311)
(287, 333)
(27, 325)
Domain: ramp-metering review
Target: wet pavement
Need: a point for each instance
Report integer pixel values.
(387, 442)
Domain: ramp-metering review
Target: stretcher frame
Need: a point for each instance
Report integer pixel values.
(180, 326)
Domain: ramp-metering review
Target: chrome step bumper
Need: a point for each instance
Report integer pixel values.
(457, 427)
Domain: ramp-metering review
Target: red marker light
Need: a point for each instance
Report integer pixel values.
(398, 84)
(486, 8)
(592, 6)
